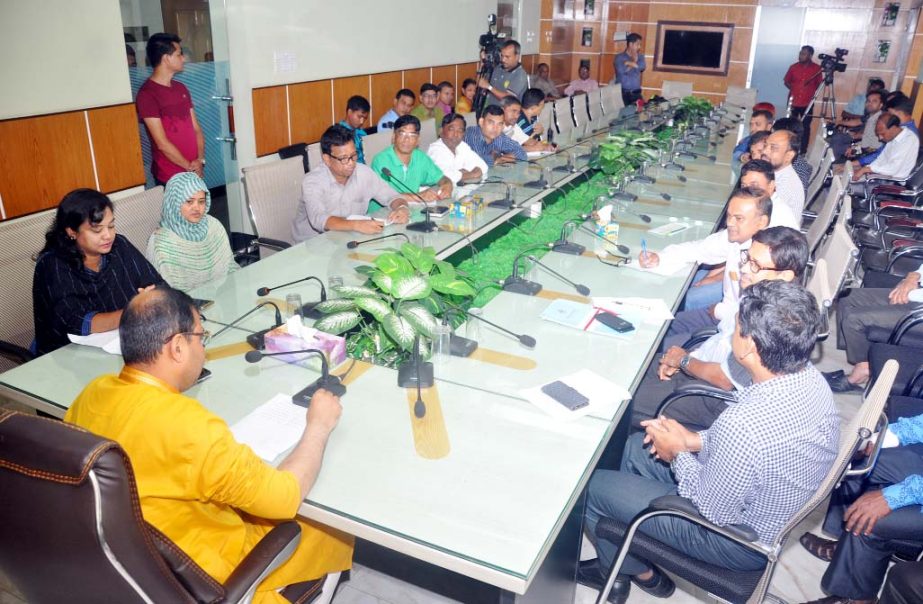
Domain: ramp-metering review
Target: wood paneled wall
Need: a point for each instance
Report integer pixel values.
(43, 157)
(293, 113)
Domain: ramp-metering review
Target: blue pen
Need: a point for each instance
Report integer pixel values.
(644, 248)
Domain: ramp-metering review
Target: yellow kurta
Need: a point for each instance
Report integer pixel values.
(210, 494)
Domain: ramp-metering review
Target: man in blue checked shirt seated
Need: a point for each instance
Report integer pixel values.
(869, 513)
(487, 139)
(757, 464)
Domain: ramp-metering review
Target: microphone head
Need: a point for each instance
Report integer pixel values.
(583, 290)
(253, 356)
(527, 341)
(352, 245)
(386, 172)
(263, 291)
(644, 217)
(624, 249)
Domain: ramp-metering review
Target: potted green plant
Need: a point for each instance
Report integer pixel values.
(406, 293)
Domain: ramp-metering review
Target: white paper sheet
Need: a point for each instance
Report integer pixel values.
(653, 310)
(666, 268)
(107, 340)
(272, 428)
(605, 396)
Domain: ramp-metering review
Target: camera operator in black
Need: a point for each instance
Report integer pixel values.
(508, 78)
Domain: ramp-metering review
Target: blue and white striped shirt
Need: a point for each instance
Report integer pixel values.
(497, 147)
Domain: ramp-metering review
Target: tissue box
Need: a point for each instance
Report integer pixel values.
(333, 347)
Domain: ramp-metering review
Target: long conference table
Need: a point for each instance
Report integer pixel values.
(485, 484)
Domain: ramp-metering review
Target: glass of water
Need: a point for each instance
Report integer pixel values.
(332, 282)
(442, 337)
(293, 306)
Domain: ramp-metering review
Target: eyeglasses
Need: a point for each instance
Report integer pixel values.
(754, 266)
(348, 159)
(204, 334)
(428, 95)
(407, 134)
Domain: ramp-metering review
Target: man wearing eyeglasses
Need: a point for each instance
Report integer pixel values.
(775, 254)
(336, 194)
(410, 167)
(205, 491)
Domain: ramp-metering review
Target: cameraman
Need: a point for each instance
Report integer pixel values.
(802, 80)
(508, 78)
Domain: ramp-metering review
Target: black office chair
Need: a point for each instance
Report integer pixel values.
(73, 529)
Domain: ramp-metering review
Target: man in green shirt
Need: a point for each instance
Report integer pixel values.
(408, 165)
(429, 96)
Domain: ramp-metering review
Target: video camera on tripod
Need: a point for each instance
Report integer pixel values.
(490, 44)
(832, 64)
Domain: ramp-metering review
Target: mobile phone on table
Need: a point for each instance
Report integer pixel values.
(614, 322)
(565, 395)
(202, 304)
(437, 211)
(203, 376)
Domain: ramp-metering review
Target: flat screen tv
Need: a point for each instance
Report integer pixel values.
(693, 47)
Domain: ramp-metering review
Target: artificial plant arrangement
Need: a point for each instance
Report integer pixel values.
(407, 291)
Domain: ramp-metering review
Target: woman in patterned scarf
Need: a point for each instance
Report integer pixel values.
(190, 248)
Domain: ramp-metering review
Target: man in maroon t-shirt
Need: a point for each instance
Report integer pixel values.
(802, 80)
(165, 107)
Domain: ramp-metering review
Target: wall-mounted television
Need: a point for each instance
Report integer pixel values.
(686, 47)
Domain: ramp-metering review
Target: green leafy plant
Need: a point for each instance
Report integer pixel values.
(626, 151)
(406, 293)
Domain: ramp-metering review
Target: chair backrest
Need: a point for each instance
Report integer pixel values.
(273, 190)
(819, 287)
(582, 115)
(860, 427)
(676, 90)
(546, 118)
(373, 144)
(471, 119)
(817, 179)
(612, 100)
(825, 215)
(428, 133)
(563, 116)
(816, 150)
(314, 155)
(21, 239)
(72, 524)
(138, 216)
(741, 96)
(841, 255)
(594, 103)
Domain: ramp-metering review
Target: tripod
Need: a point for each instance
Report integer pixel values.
(827, 97)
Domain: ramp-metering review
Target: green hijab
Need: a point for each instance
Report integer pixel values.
(179, 190)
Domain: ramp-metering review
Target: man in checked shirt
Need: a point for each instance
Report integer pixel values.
(757, 464)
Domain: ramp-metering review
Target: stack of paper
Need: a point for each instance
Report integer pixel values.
(582, 316)
(272, 428)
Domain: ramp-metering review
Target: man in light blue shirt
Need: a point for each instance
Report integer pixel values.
(403, 103)
(628, 67)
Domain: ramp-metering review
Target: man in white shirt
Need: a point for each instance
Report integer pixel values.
(748, 212)
(512, 116)
(583, 84)
(454, 157)
(780, 151)
(899, 155)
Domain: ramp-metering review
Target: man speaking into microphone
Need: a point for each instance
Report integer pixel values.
(339, 188)
(414, 168)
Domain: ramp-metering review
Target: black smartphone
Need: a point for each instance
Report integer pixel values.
(202, 304)
(203, 376)
(565, 395)
(614, 322)
(437, 211)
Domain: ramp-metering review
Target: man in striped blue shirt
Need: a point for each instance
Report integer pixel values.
(488, 141)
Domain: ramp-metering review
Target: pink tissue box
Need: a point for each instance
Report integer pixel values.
(333, 347)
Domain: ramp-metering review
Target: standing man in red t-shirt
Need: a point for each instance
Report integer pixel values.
(802, 80)
(165, 107)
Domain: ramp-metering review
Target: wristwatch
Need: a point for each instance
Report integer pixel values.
(684, 362)
(490, 88)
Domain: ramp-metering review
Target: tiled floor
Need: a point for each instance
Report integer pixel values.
(797, 578)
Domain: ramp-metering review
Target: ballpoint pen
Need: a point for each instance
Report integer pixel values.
(644, 248)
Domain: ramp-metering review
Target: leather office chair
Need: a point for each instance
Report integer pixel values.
(73, 530)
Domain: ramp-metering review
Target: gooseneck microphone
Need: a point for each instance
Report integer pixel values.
(627, 208)
(354, 244)
(424, 226)
(418, 374)
(328, 382)
(583, 290)
(526, 340)
(307, 310)
(562, 245)
(624, 249)
(256, 337)
(518, 285)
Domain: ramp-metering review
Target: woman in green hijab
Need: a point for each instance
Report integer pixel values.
(190, 248)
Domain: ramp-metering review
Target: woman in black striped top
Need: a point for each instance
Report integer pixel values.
(85, 274)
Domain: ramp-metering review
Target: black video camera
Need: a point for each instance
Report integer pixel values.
(830, 64)
(490, 43)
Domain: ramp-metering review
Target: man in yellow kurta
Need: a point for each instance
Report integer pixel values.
(210, 494)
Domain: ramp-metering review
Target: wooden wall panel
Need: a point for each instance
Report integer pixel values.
(384, 87)
(444, 73)
(414, 78)
(467, 70)
(117, 147)
(270, 120)
(41, 159)
(311, 110)
(343, 88)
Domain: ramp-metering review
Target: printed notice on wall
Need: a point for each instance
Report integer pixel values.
(284, 61)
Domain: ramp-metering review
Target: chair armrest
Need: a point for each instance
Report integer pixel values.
(698, 337)
(912, 251)
(15, 353)
(681, 504)
(809, 214)
(695, 389)
(270, 553)
(870, 461)
(272, 243)
(908, 322)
